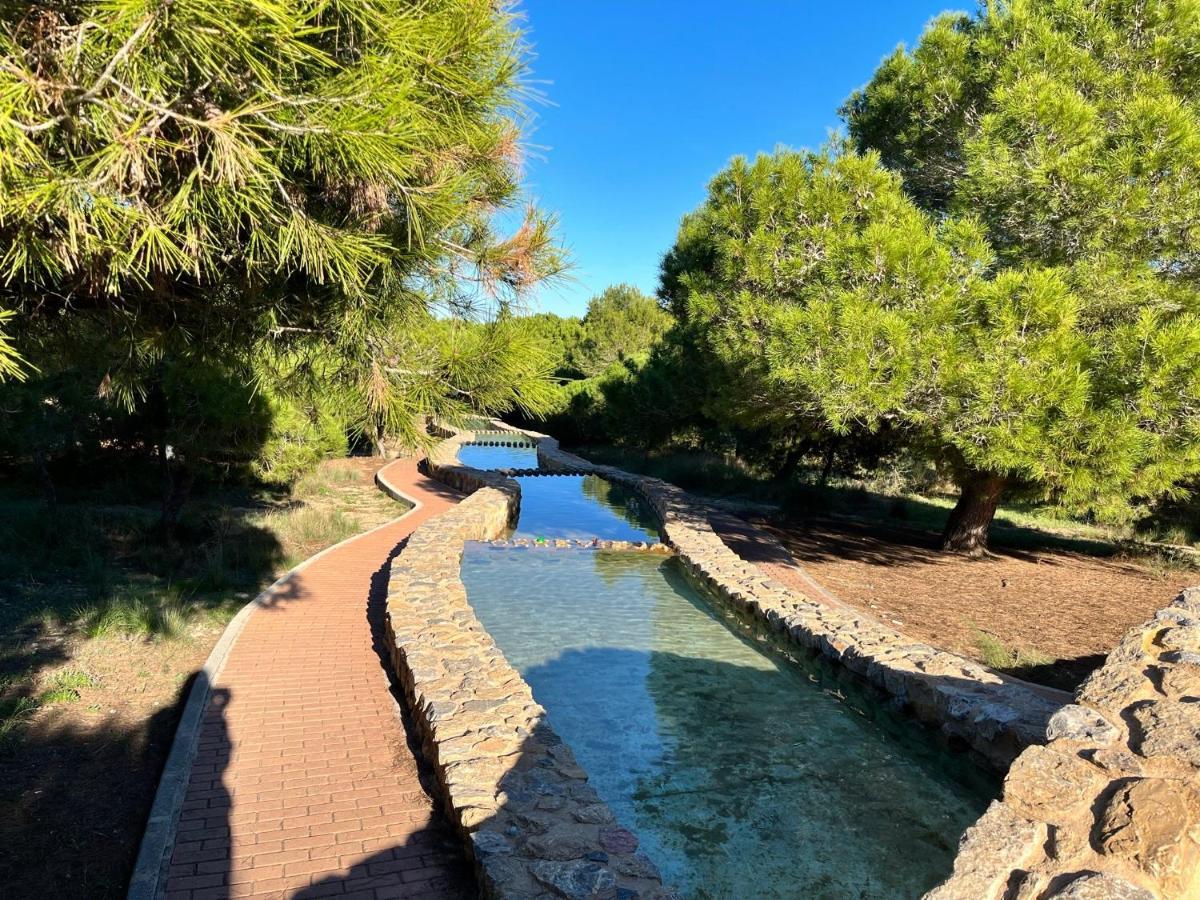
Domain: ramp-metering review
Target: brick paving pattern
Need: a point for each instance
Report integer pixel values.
(304, 783)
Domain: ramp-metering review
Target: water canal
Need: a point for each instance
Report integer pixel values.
(747, 768)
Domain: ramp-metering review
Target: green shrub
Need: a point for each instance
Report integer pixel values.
(300, 437)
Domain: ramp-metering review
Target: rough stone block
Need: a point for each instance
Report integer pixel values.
(1050, 786)
(1154, 823)
(1168, 729)
(1081, 724)
(1101, 886)
(1000, 843)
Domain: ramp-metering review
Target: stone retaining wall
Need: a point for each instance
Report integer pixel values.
(532, 823)
(997, 717)
(1110, 807)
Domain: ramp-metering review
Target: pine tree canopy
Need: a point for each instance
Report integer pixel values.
(620, 321)
(1070, 128)
(842, 305)
(1020, 297)
(196, 177)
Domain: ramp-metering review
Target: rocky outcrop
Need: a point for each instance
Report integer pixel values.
(1110, 806)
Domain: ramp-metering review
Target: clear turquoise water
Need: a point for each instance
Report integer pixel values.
(571, 507)
(483, 457)
(748, 771)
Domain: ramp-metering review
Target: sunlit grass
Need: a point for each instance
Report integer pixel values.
(995, 654)
(304, 531)
(65, 687)
(323, 481)
(163, 613)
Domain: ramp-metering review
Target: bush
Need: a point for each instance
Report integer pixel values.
(299, 439)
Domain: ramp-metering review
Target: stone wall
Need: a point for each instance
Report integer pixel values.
(1110, 806)
(997, 717)
(532, 823)
(1102, 801)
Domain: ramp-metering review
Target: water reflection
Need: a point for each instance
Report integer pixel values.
(745, 773)
(582, 507)
(478, 456)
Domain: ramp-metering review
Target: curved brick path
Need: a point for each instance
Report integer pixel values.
(304, 783)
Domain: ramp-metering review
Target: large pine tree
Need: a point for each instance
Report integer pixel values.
(1071, 131)
(831, 301)
(188, 181)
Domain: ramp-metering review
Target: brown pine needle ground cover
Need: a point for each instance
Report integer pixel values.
(100, 634)
(1047, 610)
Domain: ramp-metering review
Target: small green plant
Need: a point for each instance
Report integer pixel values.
(74, 679)
(170, 619)
(998, 655)
(12, 715)
(65, 687)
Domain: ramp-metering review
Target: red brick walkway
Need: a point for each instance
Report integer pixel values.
(304, 784)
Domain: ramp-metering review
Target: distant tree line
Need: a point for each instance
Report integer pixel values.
(997, 270)
(621, 323)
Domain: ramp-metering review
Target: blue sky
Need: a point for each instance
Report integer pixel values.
(648, 99)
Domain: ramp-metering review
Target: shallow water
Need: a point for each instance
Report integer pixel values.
(582, 507)
(482, 457)
(748, 768)
(569, 507)
(747, 772)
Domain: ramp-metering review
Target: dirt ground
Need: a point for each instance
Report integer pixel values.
(77, 777)
(77, 783)
(1056, 611)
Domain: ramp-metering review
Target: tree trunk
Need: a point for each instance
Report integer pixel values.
(827, 469)
(791, 462)
(378, 438)
(967, 528)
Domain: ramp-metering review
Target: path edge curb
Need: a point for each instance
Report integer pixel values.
(158, 838)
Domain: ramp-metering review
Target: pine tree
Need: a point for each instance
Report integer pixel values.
(621, 322)
(830, 300)
(1071, 131)
(198, 179)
